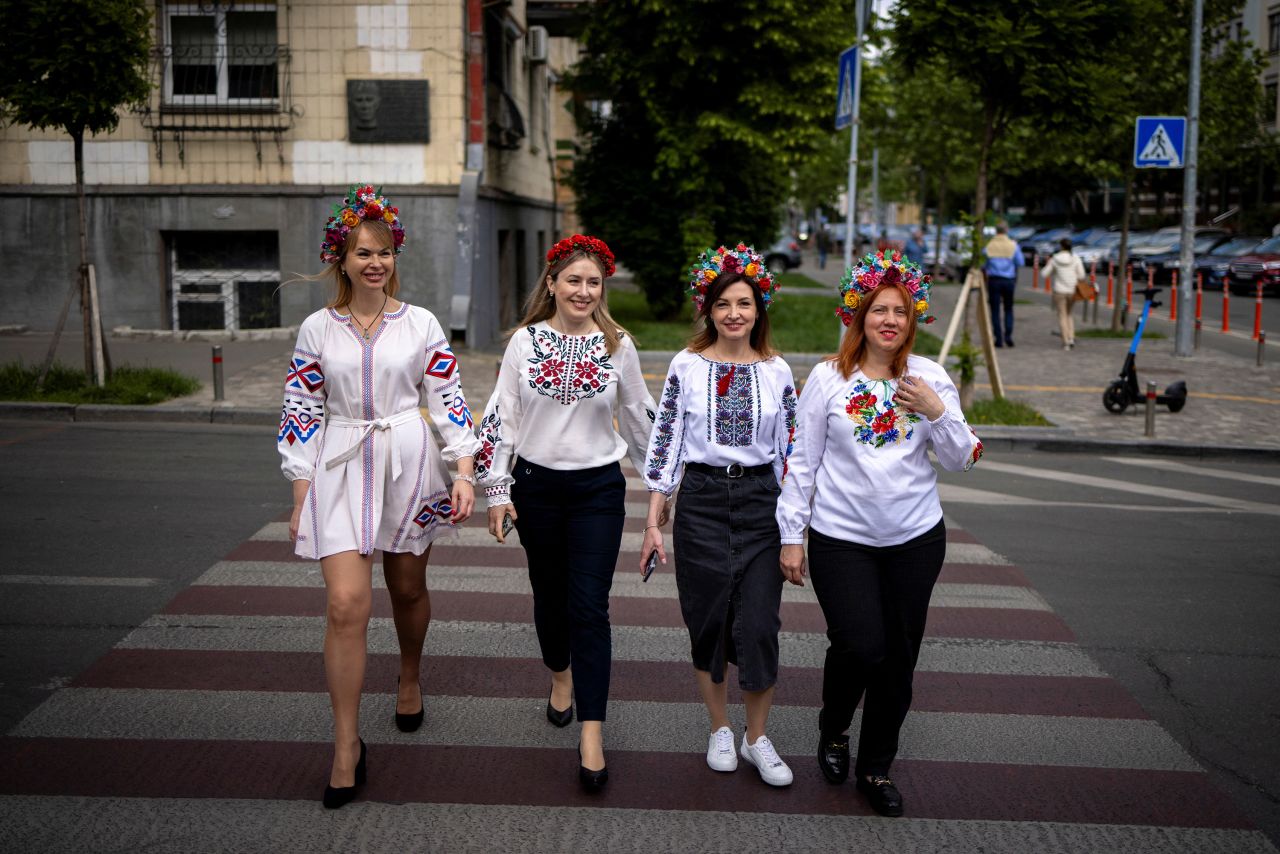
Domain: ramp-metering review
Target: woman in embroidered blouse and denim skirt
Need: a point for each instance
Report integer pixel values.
(366, 472)
(549, 462)
(722, 435)
(861, 482)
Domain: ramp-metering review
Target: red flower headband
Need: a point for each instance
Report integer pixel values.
(361, 203)
(582, 243)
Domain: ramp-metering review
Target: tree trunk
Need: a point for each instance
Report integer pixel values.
(1123, 260)
(942, 217)
(77, 140)
(984, 164)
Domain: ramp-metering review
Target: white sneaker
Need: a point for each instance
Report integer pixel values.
(767, 761)
(720, 755)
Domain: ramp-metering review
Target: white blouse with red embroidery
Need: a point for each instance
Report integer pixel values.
(554, 405)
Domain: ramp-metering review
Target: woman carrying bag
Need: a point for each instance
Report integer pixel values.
(1065, 269)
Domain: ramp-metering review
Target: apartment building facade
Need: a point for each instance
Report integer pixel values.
(206, 205)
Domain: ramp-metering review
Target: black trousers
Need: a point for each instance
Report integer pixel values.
(876, 602)
(570, 525)
(1000, 298)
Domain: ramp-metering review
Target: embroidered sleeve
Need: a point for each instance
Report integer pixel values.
(958, 448)
(442, 383)
(635, 404)
(796, 502)
(786, 432)
(499, 429)
(302, 416)
(666, 442)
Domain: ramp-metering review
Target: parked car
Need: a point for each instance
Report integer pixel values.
(955, 255)
(1043, 243)
(1164, 263)
(1097, 247)
(1165, 239)
(783, 254)
(1214, 265)
(1261, 265)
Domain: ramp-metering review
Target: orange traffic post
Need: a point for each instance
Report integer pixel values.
(1173, 297)
(1257, 314)
(1199, 293)
(1128, 286)
(1111, 270)
(1035, 271)
(1226, 303)
(1093, 277)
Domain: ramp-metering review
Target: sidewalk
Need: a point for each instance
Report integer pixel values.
(1234, 406)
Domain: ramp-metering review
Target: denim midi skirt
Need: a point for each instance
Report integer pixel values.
(727, 549)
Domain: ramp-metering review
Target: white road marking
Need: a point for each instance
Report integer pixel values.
(1170, 465)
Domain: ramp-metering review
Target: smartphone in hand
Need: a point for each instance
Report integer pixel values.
(650, 565)
(508, 524)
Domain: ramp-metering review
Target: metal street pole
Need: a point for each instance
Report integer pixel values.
(850, 236)
(1183, 344)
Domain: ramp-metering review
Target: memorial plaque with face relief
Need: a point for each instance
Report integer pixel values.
(388, 111)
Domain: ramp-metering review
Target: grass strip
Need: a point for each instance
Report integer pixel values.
(128, 385)
(1005, 412)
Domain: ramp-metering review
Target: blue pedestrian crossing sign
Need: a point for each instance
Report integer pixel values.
(844, 90)
(1159, 141)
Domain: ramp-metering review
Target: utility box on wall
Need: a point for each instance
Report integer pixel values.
(388, 111)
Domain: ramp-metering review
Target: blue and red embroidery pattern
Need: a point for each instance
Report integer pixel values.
(304, 374)
(668, 410)
(568, 368)
(434, 512)
(734, 406)
(442, 363)
(875, 423)
(300, 420)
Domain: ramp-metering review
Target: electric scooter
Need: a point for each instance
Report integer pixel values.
(1123, 391)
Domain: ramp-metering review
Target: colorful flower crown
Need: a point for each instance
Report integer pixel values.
(740, 259)
(582, 243)
(886, 267)
(361, 203)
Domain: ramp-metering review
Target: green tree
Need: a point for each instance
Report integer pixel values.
(713, 104)
(71, 65)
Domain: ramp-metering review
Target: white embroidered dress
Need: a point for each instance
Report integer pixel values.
(555, 403)
(720, 413)
(860, 469)
(351, 425)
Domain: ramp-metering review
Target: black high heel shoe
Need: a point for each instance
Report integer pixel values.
(557, 717)
(592, 781)
(411, 721)
(339, 796)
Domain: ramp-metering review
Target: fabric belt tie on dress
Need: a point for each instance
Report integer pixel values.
(733, 470)
(367, 428)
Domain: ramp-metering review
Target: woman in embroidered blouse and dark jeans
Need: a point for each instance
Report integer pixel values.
(549, 462)
(861, 482)
(722, 435)
(366, 473)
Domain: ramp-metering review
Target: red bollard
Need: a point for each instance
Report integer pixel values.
(1035, 271)
(1199, 293)
(1111, 269)
(1173, 297)
(1257, 314)
(1128, 287)
(1226, 303)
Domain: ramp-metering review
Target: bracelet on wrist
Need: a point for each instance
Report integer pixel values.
(647, 527)
(466, 478)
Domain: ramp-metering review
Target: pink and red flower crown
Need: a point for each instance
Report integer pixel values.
(883, 268)
(740, 259)
(582, 243)
(361, 203)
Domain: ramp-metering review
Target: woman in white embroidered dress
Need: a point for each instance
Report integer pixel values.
(724, 427)
(366, 472)
(549, 463)
(861, 482)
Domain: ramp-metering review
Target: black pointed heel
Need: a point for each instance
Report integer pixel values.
(592, 781)
(339, 796)
(411, 721)
(557, 717)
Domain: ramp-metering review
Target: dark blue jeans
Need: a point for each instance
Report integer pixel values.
(1000, 295)
(570, 525)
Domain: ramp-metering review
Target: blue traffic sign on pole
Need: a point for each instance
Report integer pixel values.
(1159, 142)
(844, 90)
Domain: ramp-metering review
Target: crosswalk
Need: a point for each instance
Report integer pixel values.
(207, 729)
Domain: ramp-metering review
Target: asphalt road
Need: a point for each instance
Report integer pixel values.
(1162, 568)
(1168, 580)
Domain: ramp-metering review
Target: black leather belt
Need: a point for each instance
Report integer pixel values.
(733, 470)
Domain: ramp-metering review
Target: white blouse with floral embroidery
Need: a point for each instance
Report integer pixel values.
(860, 469)
(554, 405)
(720, 413)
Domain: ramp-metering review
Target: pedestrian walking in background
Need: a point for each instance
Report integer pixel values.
(914, 248)
(861, 482)
(549, 463)
(1065, 269)
(1003, 258)
(366, 473)
(823, 241)
(724, 428)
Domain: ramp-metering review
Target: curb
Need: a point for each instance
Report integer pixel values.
(160, 414)
(994, 437)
